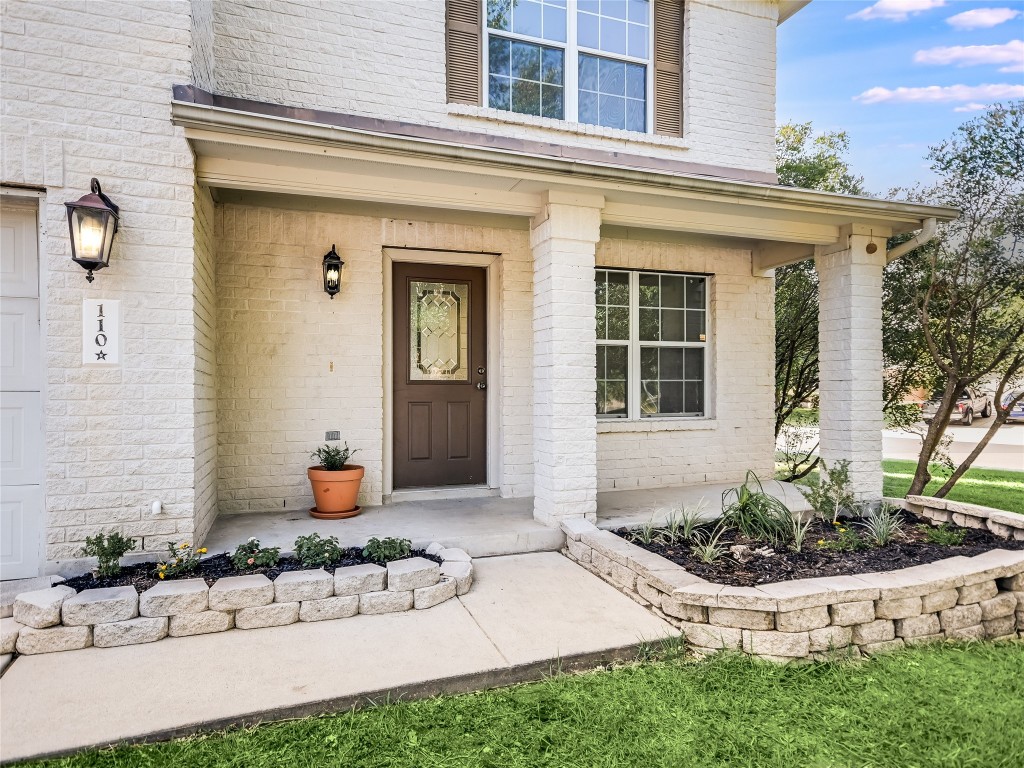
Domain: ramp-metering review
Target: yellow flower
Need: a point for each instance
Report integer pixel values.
(202, 550)
(161, 575)
(842, 530)
(183, 545)
(821, 541)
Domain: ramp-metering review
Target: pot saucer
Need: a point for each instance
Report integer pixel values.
(314, 512)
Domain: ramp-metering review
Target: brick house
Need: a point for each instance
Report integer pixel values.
(558, 221)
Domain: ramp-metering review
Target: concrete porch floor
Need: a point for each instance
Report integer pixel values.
(484, 527)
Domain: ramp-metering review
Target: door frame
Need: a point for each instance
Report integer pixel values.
(34, 198)
(490, 263)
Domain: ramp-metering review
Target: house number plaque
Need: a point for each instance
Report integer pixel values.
(101, 332)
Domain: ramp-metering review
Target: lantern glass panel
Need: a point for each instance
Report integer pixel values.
(93, 234)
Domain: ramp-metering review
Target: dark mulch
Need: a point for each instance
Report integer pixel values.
(142, 575)
(785, 565)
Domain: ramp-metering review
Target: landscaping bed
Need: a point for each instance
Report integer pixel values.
(142, 576)
(748, 562)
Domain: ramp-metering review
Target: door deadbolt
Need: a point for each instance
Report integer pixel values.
(481, 385)
(481, 370)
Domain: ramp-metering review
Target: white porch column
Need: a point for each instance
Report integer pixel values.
(850, 355)
(563, 238)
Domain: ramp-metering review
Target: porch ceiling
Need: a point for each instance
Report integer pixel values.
(258, 152)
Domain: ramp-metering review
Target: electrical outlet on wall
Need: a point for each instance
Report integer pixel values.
(332, 435)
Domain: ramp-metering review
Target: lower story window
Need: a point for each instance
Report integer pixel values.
(651, 344)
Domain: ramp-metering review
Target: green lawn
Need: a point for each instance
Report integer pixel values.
(999, 488)
(934, 706)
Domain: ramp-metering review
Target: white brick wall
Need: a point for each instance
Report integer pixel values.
(205, 346)
(278, 334)
(564, 362)
(850, 359)
(739, 434)
(363, 57)
(85, 90)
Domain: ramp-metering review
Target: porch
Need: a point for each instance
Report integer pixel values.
(483, 527)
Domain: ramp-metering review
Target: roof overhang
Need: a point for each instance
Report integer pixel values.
(251, 150)
(787, 8)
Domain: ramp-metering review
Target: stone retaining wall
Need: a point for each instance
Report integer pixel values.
(1006, 525)
(59, 619)
(960, 598)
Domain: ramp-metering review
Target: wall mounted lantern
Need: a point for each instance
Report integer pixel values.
(333, 269)
(93, 222)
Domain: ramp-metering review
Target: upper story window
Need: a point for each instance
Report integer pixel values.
(586, 61)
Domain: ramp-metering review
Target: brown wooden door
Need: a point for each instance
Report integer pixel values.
(440, 375)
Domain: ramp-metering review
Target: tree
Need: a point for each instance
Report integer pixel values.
(963, 292)
(813, 162)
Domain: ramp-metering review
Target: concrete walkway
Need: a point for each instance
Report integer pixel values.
(526, 616)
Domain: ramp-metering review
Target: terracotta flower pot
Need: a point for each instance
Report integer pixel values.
(335, 491)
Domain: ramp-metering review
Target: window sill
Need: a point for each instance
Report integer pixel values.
(656, 425)
(564, 126)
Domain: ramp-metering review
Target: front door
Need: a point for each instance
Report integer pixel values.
(440, 376)
(21, 454)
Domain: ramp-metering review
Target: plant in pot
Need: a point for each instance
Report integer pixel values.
(335, 483)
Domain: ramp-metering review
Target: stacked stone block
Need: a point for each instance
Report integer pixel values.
(960, 598)
(59, 619)
(1006, 525)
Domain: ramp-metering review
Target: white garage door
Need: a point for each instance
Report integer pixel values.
(21, 498)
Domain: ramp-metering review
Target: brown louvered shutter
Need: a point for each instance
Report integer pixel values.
(668, 67)
(463, 55)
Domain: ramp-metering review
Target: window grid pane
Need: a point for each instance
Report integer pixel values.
(619, 27)
(672, 308)
(669, 374)
(544, 19)
(609, 94)
(525, 77)
(612, 380)
(672, 382)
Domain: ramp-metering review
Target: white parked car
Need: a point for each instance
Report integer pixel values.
(971, 403)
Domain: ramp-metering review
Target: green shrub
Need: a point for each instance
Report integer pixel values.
(947, 535)
(386, 550)
(883, 525)
(645, 533)
(833, 494)
(707, 546)
(756, 514)
(848, 540)
(182, 560)
(314, 552)
(331, 457)
(108, 548)
(252, 555)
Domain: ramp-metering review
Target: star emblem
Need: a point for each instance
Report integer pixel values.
(101, 355)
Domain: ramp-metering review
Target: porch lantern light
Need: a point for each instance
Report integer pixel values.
(92, 220)
(333, 269)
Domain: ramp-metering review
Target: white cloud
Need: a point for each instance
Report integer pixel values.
(1010, 54)
(973, 106)
(895, 10)
(937, 94)
(982, 18)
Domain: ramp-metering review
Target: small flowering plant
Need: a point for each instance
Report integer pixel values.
(847, 540)
(182, 559)
(251, 555)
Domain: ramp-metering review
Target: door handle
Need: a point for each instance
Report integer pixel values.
(481, 385)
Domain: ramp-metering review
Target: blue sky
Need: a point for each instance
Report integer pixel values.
(898, 75)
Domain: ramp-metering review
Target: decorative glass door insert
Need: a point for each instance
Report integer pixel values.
(438, 331)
